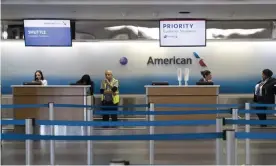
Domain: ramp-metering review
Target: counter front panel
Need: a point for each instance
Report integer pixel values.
(47, 94)
(182, 95)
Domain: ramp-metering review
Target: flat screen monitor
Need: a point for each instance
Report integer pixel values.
(31, 83)
(204, 83)
(159, 83)
(45, 33)
(182, 33)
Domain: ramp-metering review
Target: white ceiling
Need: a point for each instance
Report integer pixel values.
(138, 9)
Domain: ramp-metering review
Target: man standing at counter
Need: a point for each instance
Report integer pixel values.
(110, 95)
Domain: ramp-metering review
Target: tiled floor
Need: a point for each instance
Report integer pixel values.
(166, 152)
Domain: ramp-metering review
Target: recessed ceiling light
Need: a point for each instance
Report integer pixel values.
(184, 12)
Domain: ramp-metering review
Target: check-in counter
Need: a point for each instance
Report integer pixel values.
(58, 94)
(174, 94)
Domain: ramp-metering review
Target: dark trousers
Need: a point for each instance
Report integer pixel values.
(261, 116)
(111, 107)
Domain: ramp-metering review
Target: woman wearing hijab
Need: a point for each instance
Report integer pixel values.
(265, 92)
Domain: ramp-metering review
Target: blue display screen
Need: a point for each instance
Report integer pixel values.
(47, 33)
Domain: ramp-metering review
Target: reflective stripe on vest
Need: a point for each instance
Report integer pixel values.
(115, 98)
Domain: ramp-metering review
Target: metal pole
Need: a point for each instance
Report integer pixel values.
(234, 117)
(230, 149)
(151, 142)
(29, 143)
(247, 140)
(219, 142)
(89, 142)
(52, 132)
(235, 127)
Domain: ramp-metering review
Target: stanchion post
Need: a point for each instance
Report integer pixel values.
(151, 142)
(52, 132)
(235, 116)
(89, 142)
(247, 140)
(230, 148)
(29, 143)
(219, 123)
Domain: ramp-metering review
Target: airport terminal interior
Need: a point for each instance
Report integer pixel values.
(193, 82)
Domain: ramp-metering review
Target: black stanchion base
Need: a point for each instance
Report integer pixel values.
(119, 162)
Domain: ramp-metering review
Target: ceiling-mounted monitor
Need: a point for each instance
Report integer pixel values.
(46, 33)
(182, 33)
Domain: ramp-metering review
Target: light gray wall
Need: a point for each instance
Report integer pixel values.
(235, 65)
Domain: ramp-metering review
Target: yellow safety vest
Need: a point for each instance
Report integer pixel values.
(115, 98)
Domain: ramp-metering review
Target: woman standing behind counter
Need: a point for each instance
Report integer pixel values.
(206, 76)
(38, 77)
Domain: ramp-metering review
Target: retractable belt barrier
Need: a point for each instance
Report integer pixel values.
(229, 135)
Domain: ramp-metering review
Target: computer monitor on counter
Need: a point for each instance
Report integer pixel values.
(159, 83)
(204, 83)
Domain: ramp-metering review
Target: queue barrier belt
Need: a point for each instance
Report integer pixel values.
(255, 135)
(9, 106)
(257, 111)
(161, 137)
(13, 122)
(199, 105)
(140, 123)
(195, 112)
(263, 105)
(100, 106)
(123, 123)
(250, 122)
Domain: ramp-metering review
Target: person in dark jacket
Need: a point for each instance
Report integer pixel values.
(206, 76)
(86, 80)
(265, 92)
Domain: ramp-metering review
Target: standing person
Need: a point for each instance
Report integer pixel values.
(110, 95)
(38, 77)
(264, 92)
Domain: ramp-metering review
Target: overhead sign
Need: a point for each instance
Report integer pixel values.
(185, 33)
(47, 33)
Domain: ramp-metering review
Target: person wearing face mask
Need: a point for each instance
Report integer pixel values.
(38, 77)
(206, 76)
(265, 92)
(110, 95)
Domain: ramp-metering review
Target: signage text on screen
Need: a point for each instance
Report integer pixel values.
(47, 33)
(182, 33)
(178, 26)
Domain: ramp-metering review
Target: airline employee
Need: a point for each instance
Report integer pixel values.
(110, 95)
(38, 77)
(264, 92)
(86, 80)
(206, 76)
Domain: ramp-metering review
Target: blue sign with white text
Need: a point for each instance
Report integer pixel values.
(47, 33)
